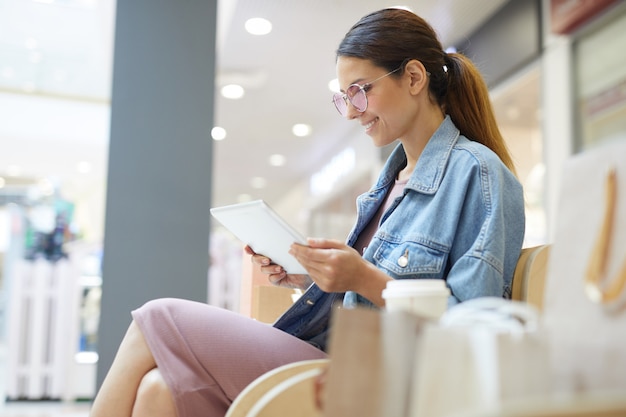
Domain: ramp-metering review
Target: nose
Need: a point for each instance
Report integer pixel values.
(351, 111)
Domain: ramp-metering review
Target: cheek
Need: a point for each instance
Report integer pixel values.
(392, 100)
(384, 107)
(392, 111)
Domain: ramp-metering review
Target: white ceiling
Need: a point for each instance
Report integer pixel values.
(55, 62)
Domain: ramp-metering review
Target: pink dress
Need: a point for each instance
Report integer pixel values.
(208, 355)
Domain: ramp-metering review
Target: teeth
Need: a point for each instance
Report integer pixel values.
(370, 124)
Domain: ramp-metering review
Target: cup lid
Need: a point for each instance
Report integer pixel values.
(404, 287)
(416, 283)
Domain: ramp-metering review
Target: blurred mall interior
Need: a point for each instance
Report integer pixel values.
(557, 82)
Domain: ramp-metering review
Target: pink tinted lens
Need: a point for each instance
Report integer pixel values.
(340, 103)
(357, 97)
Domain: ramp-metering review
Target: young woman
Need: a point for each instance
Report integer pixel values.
(446, 205)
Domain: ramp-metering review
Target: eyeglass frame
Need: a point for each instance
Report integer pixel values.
(364, 88)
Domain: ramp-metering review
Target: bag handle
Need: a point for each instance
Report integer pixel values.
(596, 268)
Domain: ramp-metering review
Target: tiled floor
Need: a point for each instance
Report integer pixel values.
(43, 409)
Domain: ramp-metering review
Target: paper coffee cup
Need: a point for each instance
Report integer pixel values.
(423, 297)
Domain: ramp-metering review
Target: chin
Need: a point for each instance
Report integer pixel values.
(382, 142)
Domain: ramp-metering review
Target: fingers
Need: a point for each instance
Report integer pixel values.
(257, 259)
(324, 243)
(260, 260)
(275, 273)
(330, 263)
(318, 250)
(321, 264)
(276, 279)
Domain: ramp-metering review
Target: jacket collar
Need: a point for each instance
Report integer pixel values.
(431, 164)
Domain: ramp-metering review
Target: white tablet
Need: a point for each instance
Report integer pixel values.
(257, 225)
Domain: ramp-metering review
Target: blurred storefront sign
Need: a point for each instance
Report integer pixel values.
(568, 15)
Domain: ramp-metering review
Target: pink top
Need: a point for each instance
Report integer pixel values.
(368, 233)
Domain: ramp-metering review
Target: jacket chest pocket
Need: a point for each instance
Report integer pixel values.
(410, 260)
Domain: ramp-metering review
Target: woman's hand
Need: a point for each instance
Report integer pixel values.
(337, 267)
(276, 273)
(334, 266)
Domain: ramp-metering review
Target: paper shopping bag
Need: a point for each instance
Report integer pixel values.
(484, 358)
(371, 361)
(585, 293)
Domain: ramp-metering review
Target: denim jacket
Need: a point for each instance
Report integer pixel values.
(460, 219)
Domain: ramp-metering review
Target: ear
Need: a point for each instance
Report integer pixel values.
(417, 74)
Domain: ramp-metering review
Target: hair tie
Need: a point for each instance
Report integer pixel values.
(446, 62)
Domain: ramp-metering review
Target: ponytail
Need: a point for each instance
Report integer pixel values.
(469, 106)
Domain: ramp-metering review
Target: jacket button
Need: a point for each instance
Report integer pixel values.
(403, 261)
(310, 302)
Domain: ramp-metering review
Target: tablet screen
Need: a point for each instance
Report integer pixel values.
(259, 226)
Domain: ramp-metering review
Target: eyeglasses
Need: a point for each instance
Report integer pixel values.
(356, 95)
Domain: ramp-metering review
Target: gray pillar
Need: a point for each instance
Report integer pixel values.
(159, 175)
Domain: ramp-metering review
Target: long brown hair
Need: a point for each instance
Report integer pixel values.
(389, 37)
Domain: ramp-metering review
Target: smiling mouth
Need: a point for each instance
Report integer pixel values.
(370, 124)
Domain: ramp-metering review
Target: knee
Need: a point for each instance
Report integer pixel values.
(153, 386)
(154, 396)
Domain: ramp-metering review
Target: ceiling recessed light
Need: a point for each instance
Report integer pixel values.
(233, 91)
(258, 26)
(277, 160)
(333, 85)
(258, 182)
(301, 129)
(244, 198)
(83, 167)
(218, 133)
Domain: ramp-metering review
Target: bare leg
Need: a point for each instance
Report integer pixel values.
(131, 366)
(154, 398)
